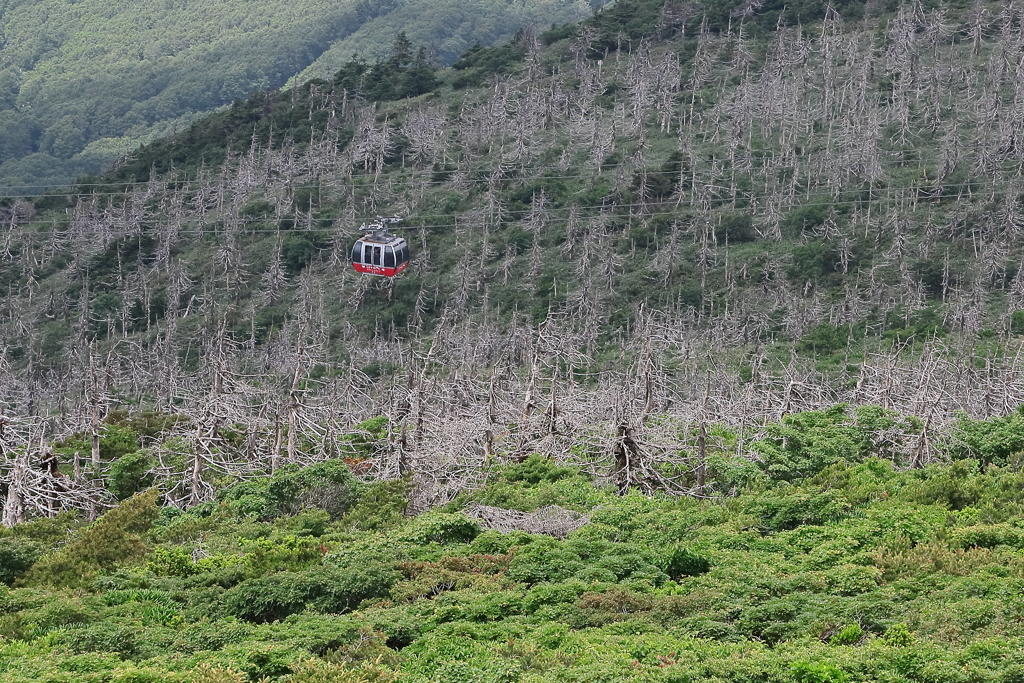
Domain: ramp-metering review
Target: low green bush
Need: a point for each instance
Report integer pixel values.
(17, 555)
(327, 486)
(817, 672)
(101, 637)
(130, 474)
(849, 635)
(111, 541)
(381, 505)
(325, 589)
(441, 528)
(681, 561)
(782, 510)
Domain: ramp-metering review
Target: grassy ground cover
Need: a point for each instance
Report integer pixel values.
(853, 569)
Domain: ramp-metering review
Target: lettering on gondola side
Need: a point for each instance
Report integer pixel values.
(371, 269)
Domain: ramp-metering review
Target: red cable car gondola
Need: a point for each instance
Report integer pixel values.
(378, 252)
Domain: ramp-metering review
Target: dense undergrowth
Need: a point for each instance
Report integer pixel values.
(843, 567)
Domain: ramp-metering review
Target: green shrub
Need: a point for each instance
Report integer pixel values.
(988, 536)
(401, 625)
(780, 511)
(1017, 322)
(536, 469)
(849, 635)
(804, 218)
(618, 24)
(681, 561)
(116, 441)
(336, 591)
(479, 62)
(630, 562)
(281, 553)
(804, 444)
(545, 560)
(381, 505)
(47, 530)
(99, 637)
(261, 661)
(367, 438)
(17, 555)
(121, 597)
(493, 542)
(806, 672)
(328, 486)
(257, 208)
(994, 441)
(307, 523)
(825, 338)
(111, 541)
(898, 635)
(956, 486)
(319, 671)
(209, 673)
(35, 619)
(315, 633)
(130, 474)
(171, 562)
(325, 589)
(212, 635)
(735, 228)
(541, 594)
(441, 528)
(267, 598)
(729, 472)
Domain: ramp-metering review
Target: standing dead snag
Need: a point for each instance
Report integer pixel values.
(14, 505)
(625, 453)
(294, 404)
(94, 413)
(38, 491)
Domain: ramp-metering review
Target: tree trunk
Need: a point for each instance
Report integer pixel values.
(702, 456)
(95, 429)
(275, 454)
(14, 506)
(624, 452)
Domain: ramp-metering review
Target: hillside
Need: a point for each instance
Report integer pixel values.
(810, 205)
(81, 83)
(737, 287)
(853, 573)
(731, 218)
(734, 222)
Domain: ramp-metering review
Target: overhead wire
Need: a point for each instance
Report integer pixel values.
(807, 197)
(186, 185)
(511, 167)
(556, 214)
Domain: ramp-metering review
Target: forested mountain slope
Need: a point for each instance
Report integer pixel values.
(731, 216)
(708, 366)
(83, 82)
(448, 27)
(710, 216)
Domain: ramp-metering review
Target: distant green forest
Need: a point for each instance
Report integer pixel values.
(82, 83)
